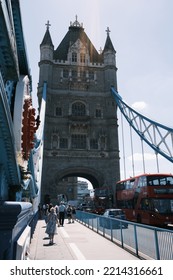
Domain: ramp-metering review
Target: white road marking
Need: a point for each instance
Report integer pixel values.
(64, 233)
(77, 252)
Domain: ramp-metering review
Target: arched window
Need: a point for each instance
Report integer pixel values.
(65, 73)
(54, 142)
(78, 109)
(74, 57)
(74, 73)
(63, 143)
(98, 113)
(58, 111)
(82, 58)
(93, 144)
(78, 141)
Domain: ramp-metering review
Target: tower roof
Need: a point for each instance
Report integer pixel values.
(47, 38)
(75, 32)
(108, 45)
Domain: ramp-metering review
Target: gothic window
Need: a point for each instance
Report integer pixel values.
(74, 73)
(74, 57)
(78, 141)
(98, 113)
(54, 142)
(78, 109)
(83, 74)
(91, 75)
(65, 73)
(63, 144)
(102, 142)
(93, 144)
(58, 111)
(82, 58)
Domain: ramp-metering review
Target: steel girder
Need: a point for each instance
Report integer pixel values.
(159, 137)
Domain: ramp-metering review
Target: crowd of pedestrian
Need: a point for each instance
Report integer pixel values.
(54, 217)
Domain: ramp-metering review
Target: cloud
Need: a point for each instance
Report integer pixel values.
(139, 105)
(139, 157)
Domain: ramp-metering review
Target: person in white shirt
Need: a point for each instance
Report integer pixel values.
(62, 211)
(69, 213)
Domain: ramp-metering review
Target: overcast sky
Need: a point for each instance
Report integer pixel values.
(142, 34)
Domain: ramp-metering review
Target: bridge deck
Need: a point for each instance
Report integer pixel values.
(74, 242)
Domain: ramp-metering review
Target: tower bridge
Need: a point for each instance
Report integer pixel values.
(81, 130)
(76, 131)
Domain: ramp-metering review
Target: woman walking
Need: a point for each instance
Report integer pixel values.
(51, 228)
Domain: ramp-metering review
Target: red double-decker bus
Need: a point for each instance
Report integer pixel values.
(102, 199)
(147, 198)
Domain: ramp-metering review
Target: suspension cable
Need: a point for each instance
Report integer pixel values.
(133, 166)
(157, 161)
(143, 157)
(124, 159)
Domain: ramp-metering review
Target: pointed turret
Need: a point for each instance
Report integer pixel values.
(109, 62)
(46, 56)
(109, 51)
(46, 46)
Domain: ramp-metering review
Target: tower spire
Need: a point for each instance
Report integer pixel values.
(107, 31)
(48, 24)
(108, 45)
(47, 38)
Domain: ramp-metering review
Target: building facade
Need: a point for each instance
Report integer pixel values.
(81, 130)
(82, 190)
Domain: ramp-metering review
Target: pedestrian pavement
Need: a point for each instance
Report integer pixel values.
(74, 241)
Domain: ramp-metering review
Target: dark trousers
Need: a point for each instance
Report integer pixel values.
(61, 218)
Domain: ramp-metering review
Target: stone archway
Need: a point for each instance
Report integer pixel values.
(92, 175)
(59, 185)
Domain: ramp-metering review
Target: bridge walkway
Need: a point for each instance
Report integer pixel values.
(74, 242)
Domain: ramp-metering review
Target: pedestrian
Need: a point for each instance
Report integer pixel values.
(45, 208)
(51, 227)
(57, 210)
(57, 213)
(49, 207)
(40, 211)
(62, 212)
(73, 214)
(69, 213)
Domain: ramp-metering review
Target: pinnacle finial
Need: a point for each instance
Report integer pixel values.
(107, 31)
(48, 24)
(76, 22)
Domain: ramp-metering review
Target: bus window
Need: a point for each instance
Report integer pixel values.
(145, 204)
(155, 182)
(163, 181)
(169, 180)
(164, 206)
(160, 180)
(130, 184)
(142, 182)
(120, 186)
(172, 205)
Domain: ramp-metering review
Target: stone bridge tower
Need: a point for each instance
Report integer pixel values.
(81, 130)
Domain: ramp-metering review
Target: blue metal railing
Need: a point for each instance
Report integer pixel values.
(144, 241)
